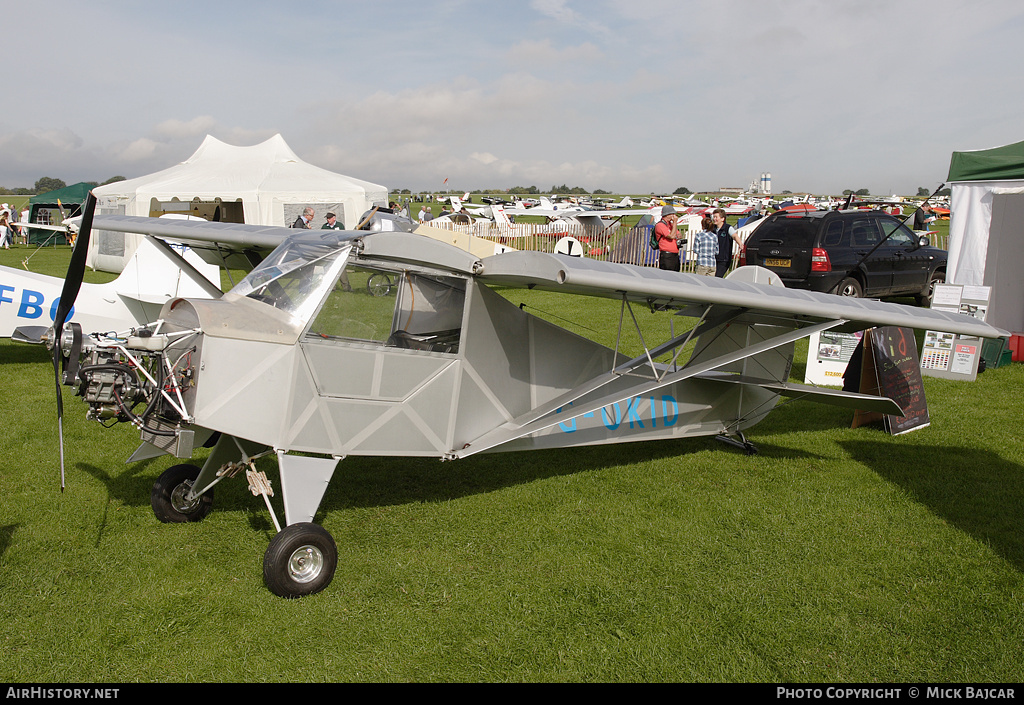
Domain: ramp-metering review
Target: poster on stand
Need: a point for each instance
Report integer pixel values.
(953, 356)
(828, 354)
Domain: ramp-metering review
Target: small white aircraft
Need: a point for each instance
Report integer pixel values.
(546, 209)
(289, 364)
(625, 202)
(29, 301)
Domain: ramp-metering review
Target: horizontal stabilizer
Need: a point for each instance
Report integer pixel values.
(823, 395)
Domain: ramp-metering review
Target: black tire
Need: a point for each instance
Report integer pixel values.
(300, 561)
(168, 496)
(850, 287)
(379, 284)
(925, 297)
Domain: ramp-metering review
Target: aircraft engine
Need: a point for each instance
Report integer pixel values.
(143, 380)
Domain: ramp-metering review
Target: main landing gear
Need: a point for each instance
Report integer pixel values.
(301, 558)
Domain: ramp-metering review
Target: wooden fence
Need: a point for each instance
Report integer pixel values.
(611, 244)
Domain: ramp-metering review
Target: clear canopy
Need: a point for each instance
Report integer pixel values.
(296, 276)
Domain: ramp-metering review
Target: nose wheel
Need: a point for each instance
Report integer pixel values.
(300, 560)
(170, 496)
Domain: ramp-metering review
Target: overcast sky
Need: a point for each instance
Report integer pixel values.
(629, 96)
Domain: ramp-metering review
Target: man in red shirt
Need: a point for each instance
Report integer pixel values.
(668, 240)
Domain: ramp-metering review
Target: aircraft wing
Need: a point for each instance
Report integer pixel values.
(613, 212)
(649, 286)
(37, 226)
(222, 240)
(196, 233)
(234, 245)
(576, 275)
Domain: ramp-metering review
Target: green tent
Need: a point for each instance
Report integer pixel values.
(986, 244)
(999, 163)
(71, 200)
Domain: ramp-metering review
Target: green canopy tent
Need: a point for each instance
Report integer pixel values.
(986, 229)
(71, 199)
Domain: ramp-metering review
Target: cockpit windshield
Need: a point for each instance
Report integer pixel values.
(296, 276)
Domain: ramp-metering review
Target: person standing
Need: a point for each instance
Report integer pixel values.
(333, 224)
(727, 235)
(23, 230)
(5, 227)
(924, 217)
(705, 246)
(667, 234)
(304, 220)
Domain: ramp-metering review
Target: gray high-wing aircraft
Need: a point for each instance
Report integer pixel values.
(414, 353)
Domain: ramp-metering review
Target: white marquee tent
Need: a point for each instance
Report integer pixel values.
(986, 242)
(265, 184)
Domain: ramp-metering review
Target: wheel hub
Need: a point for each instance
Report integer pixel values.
(179, 501)
(305, 564)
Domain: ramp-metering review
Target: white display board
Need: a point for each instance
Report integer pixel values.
(828, 354)
(954, 356)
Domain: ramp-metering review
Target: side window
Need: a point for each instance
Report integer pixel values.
(429, 313)
(833, 234)
(393, 308)
(864, 233)
(901, 234)
(361, 306)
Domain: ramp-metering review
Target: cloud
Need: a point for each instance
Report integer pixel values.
(29, 154)
(561, 59)
(562, 14)
(38, 141)
(483, 158)
(177, 129)
(138, 150)
(641, 95)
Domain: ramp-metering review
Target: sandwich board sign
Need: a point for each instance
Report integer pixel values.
(889, 365)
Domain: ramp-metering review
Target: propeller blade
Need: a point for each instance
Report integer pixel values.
(72, 285)
(60, 404)
(76, 268)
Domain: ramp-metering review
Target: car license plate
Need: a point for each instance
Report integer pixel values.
(778, 263)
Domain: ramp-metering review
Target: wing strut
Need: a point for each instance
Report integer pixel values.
(678, 341)
(205, 284)
(542, 417)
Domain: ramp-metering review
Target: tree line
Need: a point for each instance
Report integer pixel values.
(46, 184)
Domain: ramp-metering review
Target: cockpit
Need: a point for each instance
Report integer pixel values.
(314, 280)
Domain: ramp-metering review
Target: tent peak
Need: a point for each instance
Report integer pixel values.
(274, 149)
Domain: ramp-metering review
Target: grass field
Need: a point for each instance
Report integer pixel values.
(834, 555)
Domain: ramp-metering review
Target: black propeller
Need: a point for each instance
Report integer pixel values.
(72, 285)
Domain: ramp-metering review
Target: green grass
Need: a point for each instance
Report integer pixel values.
(834, 555)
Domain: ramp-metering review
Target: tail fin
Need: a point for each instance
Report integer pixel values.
(500, 216)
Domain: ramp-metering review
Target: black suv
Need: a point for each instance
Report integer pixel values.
(829, 251)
